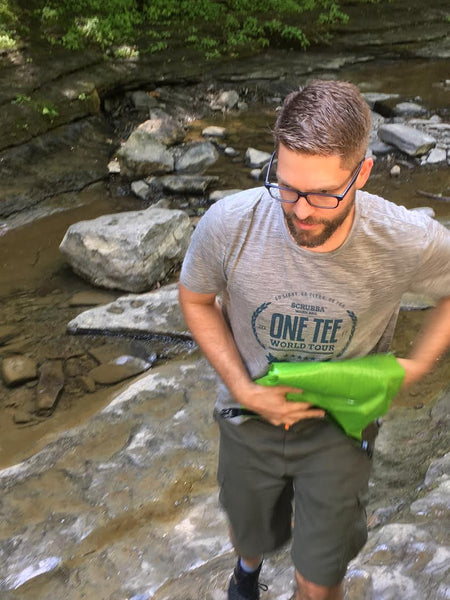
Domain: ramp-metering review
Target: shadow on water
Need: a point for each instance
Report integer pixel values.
(36, 284)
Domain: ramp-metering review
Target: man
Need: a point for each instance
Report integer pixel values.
(308, 268)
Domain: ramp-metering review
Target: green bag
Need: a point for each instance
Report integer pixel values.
(354, 392)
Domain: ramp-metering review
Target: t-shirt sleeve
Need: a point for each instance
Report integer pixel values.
(433, 272)
(203, 266)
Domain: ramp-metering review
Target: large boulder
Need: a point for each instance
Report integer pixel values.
(143, 155)
(130, 251)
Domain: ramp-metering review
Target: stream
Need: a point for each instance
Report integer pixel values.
(129, 470)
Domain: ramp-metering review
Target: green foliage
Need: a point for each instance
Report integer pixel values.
(21, 99)
(127, 28)
(47, 109)
(9, 22)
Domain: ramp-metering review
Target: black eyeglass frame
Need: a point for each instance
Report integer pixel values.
(338, 197)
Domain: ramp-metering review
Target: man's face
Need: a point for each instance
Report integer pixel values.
(318, 229)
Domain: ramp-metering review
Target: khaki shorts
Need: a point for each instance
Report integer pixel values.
(309, 482)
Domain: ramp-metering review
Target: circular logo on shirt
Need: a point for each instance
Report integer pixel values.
(303, 326)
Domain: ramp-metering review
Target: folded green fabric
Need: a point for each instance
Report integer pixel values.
(354, 392)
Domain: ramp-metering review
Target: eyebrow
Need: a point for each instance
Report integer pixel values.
(317, 190)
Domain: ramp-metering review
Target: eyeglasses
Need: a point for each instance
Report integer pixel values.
(315, 199)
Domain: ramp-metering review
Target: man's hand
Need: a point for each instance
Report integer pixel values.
(271, 404)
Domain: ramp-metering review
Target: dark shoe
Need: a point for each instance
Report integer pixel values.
(245, 586)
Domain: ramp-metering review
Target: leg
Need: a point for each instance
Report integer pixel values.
(252, 561)
(256, 496)
(330, 522)
(254, 491)
(306, 590)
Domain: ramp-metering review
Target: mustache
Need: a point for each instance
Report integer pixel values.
(307, 221)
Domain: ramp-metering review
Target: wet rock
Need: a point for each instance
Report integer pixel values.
(407, 139)
(186, 184)
(162, 128)
(150, 457)
(18, 369)
(395, 171)
(376, 99)
(50, 385)
(436, 156)
(22, 417)
(404, 561)
(118, 370)
(195, 157)
(7, 333)
(434, 504)
(141, 189)
(228, 99)
(232, 152)
(129, 251)
(358, 585)
(74, 366)
(105, 353)
(142, 155)
(83, 149)
(438, 469)
(409, 109)
(158, 314)
(113, 166)
(380, 148)
(90, 299)
(219, 194)
(143, 101)
(214, 131)
(86, 383)
(256, 158)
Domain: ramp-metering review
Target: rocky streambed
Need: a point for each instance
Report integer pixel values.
(108, 479)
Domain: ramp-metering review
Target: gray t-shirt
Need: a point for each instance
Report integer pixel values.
(286, 303)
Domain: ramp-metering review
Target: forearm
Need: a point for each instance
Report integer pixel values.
(212, 333)
(432, 342)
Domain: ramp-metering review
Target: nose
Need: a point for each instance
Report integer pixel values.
(302, 209)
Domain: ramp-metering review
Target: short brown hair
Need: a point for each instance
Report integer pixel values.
(325, 118)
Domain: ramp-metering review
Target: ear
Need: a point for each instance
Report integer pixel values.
(364, 173)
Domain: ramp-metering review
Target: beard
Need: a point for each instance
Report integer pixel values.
(308, 239)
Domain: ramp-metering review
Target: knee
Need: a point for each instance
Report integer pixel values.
(307, 590)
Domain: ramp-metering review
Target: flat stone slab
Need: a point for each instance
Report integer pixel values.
(118, 370)
(156, 313)
(407, 139)
(50, 384)
(18, 369)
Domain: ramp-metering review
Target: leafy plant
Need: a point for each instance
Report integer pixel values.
(127, 28)
(21, 99)
(9, 22)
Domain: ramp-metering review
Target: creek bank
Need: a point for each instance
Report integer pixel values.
(39, 75)
(104, 518)
(50, 96)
